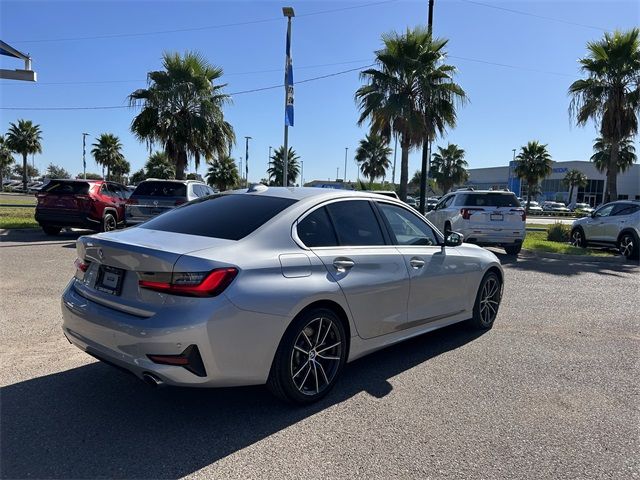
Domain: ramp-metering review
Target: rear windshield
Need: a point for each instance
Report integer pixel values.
(230, 217)
(60, 187)
(488, 200)
(160, 189)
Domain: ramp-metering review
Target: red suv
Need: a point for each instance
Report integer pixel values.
(92, 204)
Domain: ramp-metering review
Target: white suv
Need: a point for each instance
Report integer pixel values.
(613, 224)
(484, 217)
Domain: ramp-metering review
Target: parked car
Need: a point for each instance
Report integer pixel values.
(581, 208)
(386, 193)
(614, 224)
(412, 202)
(534, 207)
(484, 217)
(92, 204)
(555, 207)
(153, 197)
(281, 286)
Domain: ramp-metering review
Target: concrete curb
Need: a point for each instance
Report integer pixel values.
(7, 231)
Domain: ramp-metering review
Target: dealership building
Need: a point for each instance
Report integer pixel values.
(553, 187)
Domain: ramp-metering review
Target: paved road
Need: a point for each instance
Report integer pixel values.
(551, 392)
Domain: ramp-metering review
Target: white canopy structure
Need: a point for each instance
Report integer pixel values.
(27, 74)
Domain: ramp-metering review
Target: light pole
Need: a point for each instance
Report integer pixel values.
(346, 149)
(288, 95)
(84, 152)
(302, 173)
(337, 173)
(246, 159)
(269, 164)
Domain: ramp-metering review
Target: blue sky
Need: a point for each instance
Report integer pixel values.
(508, 107)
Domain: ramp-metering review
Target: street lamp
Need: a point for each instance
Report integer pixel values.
(246, 159)
(269, 164)
(288, 95)
(302, 173)
(346, 149)
(84, 151)
(27, 74)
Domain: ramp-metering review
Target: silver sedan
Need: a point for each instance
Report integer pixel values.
(272, 285)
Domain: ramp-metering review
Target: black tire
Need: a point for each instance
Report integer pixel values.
(49, 230)
(513, 249)
(491, 289)
(629, 246)
(294, 360)
(109, 222)
(578, 238)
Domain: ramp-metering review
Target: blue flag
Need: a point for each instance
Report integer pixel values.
(288, 83)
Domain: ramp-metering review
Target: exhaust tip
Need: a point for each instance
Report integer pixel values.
(152, 380)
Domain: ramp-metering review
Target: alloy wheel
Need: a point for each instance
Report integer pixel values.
(626, 245)
(109, 223)
(316, 356)
(576, 238)
(489, 301)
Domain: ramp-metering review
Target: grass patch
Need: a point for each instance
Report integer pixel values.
(537, 241)
(17, 217)
(9, 199)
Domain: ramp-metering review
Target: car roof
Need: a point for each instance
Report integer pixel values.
(302, 193)
(173, 180)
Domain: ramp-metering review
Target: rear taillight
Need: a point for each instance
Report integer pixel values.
(132, 201)
(81, 265)
(194, 284)
(467, 212)
(522, 212)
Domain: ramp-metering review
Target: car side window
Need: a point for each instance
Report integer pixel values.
(355, 223)
(316, 230)
(407, 228)
(604, 211)
(441, 204)
(197, 190)
(624, 209)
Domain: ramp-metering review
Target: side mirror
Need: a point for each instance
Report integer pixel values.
(453, 239)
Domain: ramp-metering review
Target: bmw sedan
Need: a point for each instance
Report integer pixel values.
(282, 286)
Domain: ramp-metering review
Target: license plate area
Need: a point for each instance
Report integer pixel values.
(109, 280)
(497, 217)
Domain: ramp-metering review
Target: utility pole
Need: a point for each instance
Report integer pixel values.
(346, 149)
(337, 173)
(395, 152)
(288, 96)
(426, 146)
(246, 159)
(269, 165)
(302, 173)
(84, 161)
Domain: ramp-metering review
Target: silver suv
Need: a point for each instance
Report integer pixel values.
(484, 217)
(613, 224)
(153, 197)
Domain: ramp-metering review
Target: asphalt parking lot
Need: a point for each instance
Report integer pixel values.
(552, 391)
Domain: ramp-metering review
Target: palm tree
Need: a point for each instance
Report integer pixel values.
(410, 94)
(24, 139)
(602, 156)
(159, 166)
(610, 94)
(120, 168)
(107, 152)
(534, 164)
(449, 167)
(223, 173)
(373, 156)
(276, 166)
(182, 110)
(6, 159)
(574, 178)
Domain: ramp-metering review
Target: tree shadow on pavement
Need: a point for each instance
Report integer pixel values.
(568, 267)
(94, 421)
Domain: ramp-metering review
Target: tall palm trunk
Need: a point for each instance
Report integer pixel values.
(404, 169)
(528, 195)
(570, 193)
(181, 164)
(108, 172)
(24, 172)
(612, 172)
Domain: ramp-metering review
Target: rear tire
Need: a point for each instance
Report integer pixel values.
(49, 230)
(109, 222)
(513, 249)
(629, 246)
(485, 309)
(310, 357)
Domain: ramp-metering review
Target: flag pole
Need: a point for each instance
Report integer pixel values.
(288, 97)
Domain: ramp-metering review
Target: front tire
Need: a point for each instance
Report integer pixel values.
(310, 357)
(577, 238)
(485, 309)
(629, 246)
(49, 230)
(513, 249)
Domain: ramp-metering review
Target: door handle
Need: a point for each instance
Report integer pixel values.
(416, 262)
(343, 264)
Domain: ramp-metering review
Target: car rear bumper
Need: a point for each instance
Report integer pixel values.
(491, 237)
(59, 218)
(236, 346)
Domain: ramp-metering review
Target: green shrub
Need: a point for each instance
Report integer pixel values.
(559, 232)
